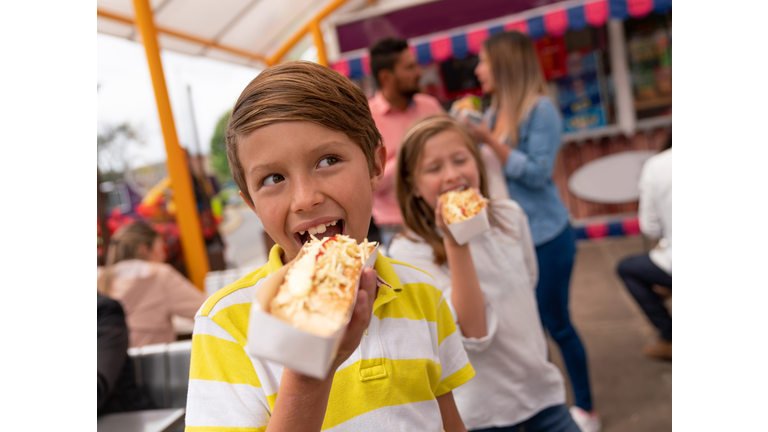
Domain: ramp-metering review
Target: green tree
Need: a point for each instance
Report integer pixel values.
(219, 161)
(112, 146)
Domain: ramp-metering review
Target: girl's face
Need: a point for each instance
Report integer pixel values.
(483, 73)
(446, 164)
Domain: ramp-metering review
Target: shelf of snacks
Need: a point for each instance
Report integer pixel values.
(658, 102)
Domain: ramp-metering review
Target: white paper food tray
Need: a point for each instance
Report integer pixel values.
(474, 116)
(467, 230)
(273, 339)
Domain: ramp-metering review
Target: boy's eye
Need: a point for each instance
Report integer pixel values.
(272, 179)
(328, 161)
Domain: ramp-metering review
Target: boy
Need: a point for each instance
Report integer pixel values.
(305, 152)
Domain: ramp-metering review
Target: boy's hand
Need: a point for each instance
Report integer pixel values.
(479, 132)
(361, 317)
(302, 401)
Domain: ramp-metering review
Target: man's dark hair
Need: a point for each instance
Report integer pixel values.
(384, 54)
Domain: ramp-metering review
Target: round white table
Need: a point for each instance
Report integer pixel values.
(610, 179)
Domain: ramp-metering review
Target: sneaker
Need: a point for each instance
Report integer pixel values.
(661, 350)
(585, 421)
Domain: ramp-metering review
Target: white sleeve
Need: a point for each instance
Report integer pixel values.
(647, 214)
(491, 324)
(443, 282)
(529, 252)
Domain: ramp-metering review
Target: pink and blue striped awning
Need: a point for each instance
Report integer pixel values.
(554, 21)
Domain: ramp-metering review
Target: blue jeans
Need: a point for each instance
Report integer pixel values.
(555, 265)
(553, 419)
(640, 274)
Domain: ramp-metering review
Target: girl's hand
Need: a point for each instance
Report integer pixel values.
(448, 239)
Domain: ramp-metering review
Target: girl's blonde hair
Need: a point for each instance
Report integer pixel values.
(517, 75)
(125, 245)
(419, 218)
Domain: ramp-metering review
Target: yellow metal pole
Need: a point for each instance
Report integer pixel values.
(317, 34)
(192, 243)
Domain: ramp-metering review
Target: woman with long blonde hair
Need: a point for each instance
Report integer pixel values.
(488, 283)
(149, 290)
(523, 127)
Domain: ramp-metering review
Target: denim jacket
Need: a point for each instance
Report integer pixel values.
(528, 170)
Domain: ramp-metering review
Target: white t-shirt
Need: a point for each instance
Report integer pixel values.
(513, 379)
(655, 208)
(497, 185)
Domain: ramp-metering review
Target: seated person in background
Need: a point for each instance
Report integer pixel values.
(117, 390)
(149, 290)
(641, 272)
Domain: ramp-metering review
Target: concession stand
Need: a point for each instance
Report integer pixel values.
(608, 64)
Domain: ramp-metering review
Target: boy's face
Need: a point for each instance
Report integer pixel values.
(303, 177)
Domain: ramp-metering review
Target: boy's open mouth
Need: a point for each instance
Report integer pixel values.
(321, 231)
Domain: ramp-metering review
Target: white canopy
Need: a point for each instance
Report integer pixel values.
(247, 32)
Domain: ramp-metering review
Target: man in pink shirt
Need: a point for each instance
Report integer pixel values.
(395, 107)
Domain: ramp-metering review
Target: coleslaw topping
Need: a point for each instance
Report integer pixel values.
(459, 206)
(322, 280)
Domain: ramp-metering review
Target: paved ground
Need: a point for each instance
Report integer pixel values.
(632, 393)
(244, 238)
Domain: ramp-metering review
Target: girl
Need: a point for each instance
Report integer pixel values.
(523, 128)
(488, 283)
(149, 290)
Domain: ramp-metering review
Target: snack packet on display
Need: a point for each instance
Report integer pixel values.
(465, 213)
(301, 311)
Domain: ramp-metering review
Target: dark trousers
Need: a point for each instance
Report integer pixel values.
(640, 274)
(553, 419)
(555, 264)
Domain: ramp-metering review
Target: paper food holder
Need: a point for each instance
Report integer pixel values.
(273, 339)
(467, 230)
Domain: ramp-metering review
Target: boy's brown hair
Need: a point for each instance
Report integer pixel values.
(301, 91)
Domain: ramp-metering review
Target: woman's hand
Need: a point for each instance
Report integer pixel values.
(479, 132)
(448, 239)
(482, 134)
(361, 317)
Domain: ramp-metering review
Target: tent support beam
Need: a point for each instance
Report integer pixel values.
(208, 43)
(275, 58)
(192, 243)
(317, 35)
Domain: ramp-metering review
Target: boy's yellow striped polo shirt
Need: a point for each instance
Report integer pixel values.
(410, 354)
